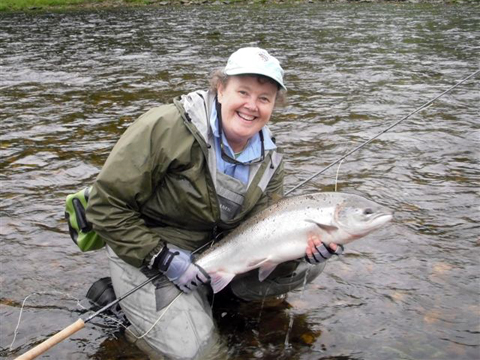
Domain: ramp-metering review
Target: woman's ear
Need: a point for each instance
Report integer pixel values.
(220, 91)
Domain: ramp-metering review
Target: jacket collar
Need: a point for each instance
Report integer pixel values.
(198, 107)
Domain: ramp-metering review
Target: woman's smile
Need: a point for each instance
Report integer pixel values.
(246, 117)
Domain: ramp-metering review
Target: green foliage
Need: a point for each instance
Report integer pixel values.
(6, 5)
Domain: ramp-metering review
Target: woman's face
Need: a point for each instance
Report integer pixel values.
(247, 105)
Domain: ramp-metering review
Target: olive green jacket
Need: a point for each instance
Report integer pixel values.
(156, 186)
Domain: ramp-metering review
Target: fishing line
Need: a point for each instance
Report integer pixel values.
(170, 304)
(70, 297)
(52, 293)
(162, 314)
(157, 321)
(336, 177)
(99, 312)
(424, 106)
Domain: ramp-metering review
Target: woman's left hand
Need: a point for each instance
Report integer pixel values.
(317, 252)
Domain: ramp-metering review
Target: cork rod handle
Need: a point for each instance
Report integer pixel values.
(52, 341)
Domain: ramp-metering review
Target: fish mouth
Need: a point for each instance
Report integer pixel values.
(381, 219)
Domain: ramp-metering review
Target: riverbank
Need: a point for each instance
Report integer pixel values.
(35, 5)
(39, 5)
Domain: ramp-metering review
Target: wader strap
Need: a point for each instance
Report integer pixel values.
(268, 174)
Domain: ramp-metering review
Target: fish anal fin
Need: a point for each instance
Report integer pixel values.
(265, 270)
(219, 280)
(327, 228)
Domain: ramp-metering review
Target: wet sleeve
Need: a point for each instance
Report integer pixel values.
(133, 169)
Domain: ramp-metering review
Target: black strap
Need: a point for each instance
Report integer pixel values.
(164, 259)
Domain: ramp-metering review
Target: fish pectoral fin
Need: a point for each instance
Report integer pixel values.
(219, 280)
(265, 267)
(327, 228)
(265, 270)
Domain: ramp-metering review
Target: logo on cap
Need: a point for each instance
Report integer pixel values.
(263, 56)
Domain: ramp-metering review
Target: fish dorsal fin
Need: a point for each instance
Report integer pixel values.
(327, 228)
(219, 280)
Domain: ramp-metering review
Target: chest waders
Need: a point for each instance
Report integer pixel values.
(231, 195)
(231, 192)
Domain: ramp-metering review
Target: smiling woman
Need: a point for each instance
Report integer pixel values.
(180, 175)
(73, 81)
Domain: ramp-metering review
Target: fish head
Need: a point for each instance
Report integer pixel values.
(359, 216)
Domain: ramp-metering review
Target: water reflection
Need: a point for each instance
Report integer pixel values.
(71, 82)
(257, 329)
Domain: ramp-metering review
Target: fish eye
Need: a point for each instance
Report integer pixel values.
(368, 211)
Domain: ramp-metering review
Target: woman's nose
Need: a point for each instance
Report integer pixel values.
(251, 104)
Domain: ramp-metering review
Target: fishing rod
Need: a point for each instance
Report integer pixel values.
(420, 108)
(78, 325)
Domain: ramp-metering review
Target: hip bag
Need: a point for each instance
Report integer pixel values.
(79, 228)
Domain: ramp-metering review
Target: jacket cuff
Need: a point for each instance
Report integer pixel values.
(152, 255)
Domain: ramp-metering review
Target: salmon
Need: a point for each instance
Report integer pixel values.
(280, 233)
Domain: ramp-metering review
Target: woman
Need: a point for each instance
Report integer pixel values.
(180, 175)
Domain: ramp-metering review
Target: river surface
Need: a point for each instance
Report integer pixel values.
(72, 82)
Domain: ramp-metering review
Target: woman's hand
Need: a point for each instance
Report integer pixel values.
(317, 252)
(178, 267)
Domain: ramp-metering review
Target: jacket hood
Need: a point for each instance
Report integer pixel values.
(198, 106)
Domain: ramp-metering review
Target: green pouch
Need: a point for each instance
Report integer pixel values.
(80, 229)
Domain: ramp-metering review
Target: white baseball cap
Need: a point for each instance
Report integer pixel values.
(253, 60)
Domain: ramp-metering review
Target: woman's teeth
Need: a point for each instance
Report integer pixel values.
(246, 117)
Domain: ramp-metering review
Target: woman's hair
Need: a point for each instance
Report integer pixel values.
(218, 77)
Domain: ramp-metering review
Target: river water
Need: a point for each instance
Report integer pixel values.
(71, 82)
